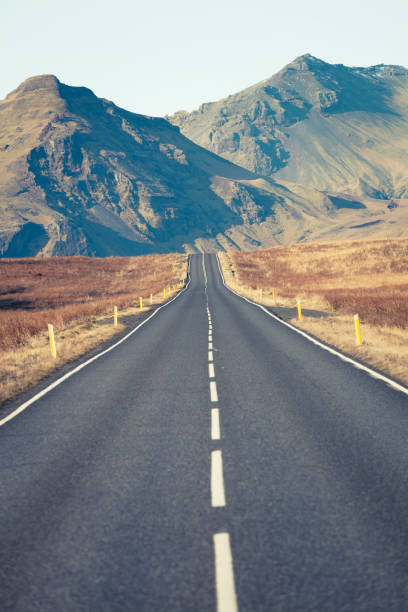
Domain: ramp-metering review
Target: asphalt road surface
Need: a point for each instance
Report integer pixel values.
(215, 460)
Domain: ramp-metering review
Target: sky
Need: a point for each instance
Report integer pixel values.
(158, 56)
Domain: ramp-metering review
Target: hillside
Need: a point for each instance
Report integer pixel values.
(332, 127)
(78, 175)
(81, 176)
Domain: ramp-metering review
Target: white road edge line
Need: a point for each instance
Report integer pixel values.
(356, 364)
(217, 480)
(224, 574)
(57, 382)
(213, 391)
(210, 346)
(215, 424)
(210, 356)
(211, 373)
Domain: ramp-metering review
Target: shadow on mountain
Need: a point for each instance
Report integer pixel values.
(27, 242)
(343, 203)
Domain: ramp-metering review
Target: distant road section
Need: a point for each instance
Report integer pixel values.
(215, 460)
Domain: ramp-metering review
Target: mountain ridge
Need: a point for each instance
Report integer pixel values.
(325, 125)
(80, 175)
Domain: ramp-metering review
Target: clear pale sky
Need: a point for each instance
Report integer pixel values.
(159, 56)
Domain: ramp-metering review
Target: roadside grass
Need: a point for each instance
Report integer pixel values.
(76, 295)
(385, 348)
(337, 279)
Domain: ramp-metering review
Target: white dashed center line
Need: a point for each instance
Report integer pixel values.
(224, 571)
(217, 480)
(215, 424)
(213, 391)
(224, 574)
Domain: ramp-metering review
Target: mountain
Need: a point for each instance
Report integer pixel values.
(331, 127)
(81, 176)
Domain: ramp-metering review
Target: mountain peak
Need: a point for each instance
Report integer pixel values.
(48, 83)
(43, 81)
(304, 62)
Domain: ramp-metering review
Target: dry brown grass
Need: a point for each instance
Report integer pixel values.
(385, 348)
(369, 277)
(24, 366)
(77, 295)
(34, 292)
(341, 278)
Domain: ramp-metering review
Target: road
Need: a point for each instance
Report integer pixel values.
(214, 460)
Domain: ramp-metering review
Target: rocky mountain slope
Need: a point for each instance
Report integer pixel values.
(331, 127)
(79, 175)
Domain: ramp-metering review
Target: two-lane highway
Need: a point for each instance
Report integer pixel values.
(216, 458)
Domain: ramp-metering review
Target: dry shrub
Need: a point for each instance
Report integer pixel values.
(369, 277)
(60, 290)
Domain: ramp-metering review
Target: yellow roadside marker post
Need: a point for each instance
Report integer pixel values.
(164, 293)
(52, 340)
(141, 303)
(299, 311)
(359, 338)
(151, 299)
(115, 316)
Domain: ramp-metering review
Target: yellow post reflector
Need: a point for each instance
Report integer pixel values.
(115, 316)
(359, 338)
(299, 306)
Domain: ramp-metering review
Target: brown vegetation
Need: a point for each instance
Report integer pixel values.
(34, 292)
(77, 295)
(369, 277)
